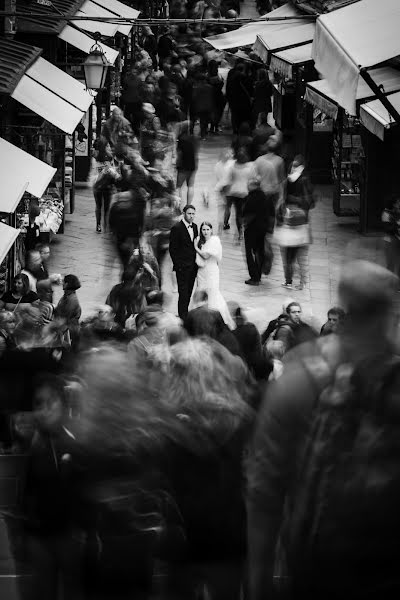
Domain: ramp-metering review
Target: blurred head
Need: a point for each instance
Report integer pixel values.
(20, 284)
(33, 260)
(366, 290)
(7, 321)
(49, 401)
(336, 315)
(117, 113)
(44, 291)
(189, 213)
(262, 74)
(294, 312)
(209, 384)
(44, 250)
(155, 297)
(242, 156)
(71, 282)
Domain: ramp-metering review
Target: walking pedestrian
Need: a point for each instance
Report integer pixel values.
(242, 170)
(259, 220)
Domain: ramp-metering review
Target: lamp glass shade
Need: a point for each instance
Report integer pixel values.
(95, 68)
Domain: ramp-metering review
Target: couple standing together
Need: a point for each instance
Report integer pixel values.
(196, 258)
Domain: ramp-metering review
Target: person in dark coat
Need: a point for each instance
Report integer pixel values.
(183, 255)
(259, 220)
(239, 98)
(217, 84)
(202, 105)
(262, 95)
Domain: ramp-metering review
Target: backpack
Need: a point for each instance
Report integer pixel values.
(345, 523)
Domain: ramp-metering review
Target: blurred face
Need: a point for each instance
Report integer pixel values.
(9, 325)
(35, 260)
(47, 407)
(45, 252)
(18, 286)
(295, 314)
(189, 215)
(333, 321)
(206, 231)
(117, 113)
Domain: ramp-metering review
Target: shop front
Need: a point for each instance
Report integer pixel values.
(43, 106)
(352, 50)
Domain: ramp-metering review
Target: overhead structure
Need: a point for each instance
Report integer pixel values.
(376, 118)
(292, 36)
(320, 94)
(108, 9)
(82, 41)
(247, 34)
(353, 39)
(53, 94)
(32, 175)
(8, 235)
(284, 61)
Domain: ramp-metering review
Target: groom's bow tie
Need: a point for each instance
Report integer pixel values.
(191, 226)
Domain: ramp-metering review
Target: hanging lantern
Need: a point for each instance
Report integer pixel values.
(95, 68)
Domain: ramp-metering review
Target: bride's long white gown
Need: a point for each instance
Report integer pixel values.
(208, 278)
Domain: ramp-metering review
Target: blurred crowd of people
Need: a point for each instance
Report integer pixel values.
(192, 457)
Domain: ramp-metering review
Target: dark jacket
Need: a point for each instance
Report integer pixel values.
(262, 97)
(202, 98)
(293, 334)
(259, 212)
(181, 247)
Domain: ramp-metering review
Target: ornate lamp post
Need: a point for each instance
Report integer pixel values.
(95, 69)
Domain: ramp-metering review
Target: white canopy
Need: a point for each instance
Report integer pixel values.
(320, 94)
(375, 117)
(111, 8)
(360, 35)
(20, 172)
(53, 94)
(84, 42)
(8, 235)
(284, 61)
(91, 9)
(247, 34)
(296, 34)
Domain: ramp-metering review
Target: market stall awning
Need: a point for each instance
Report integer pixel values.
(44, 16)
(297, 34)
(110, 8)
(91, 9)
(375, 117)
(53, 94)
(82, 41)
(320, 94)
(121, 10)
(32, 175)
(284, 61)
(8, 235)
(247, 34)
(362, 35)
(15, 59)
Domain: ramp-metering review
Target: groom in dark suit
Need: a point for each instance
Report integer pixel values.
(183, 254)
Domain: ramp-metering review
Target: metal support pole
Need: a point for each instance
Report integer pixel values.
(380, 94)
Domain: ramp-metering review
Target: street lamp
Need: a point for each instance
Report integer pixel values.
(95, 66)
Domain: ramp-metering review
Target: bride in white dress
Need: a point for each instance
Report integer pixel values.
(208, 256)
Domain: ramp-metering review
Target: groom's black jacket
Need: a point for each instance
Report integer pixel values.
(181, 247)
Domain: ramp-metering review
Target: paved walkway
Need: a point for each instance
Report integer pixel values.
(89, 255)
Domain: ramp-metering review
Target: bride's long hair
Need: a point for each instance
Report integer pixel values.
(202, 239)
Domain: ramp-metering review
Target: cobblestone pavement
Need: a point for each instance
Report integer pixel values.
(89, 255)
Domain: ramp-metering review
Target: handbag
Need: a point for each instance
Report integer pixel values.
(288, 236)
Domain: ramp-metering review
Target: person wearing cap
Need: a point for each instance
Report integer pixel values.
(367, 293)
(149, 130)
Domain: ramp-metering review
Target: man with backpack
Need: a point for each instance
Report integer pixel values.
(290, 329)
(323, 473)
